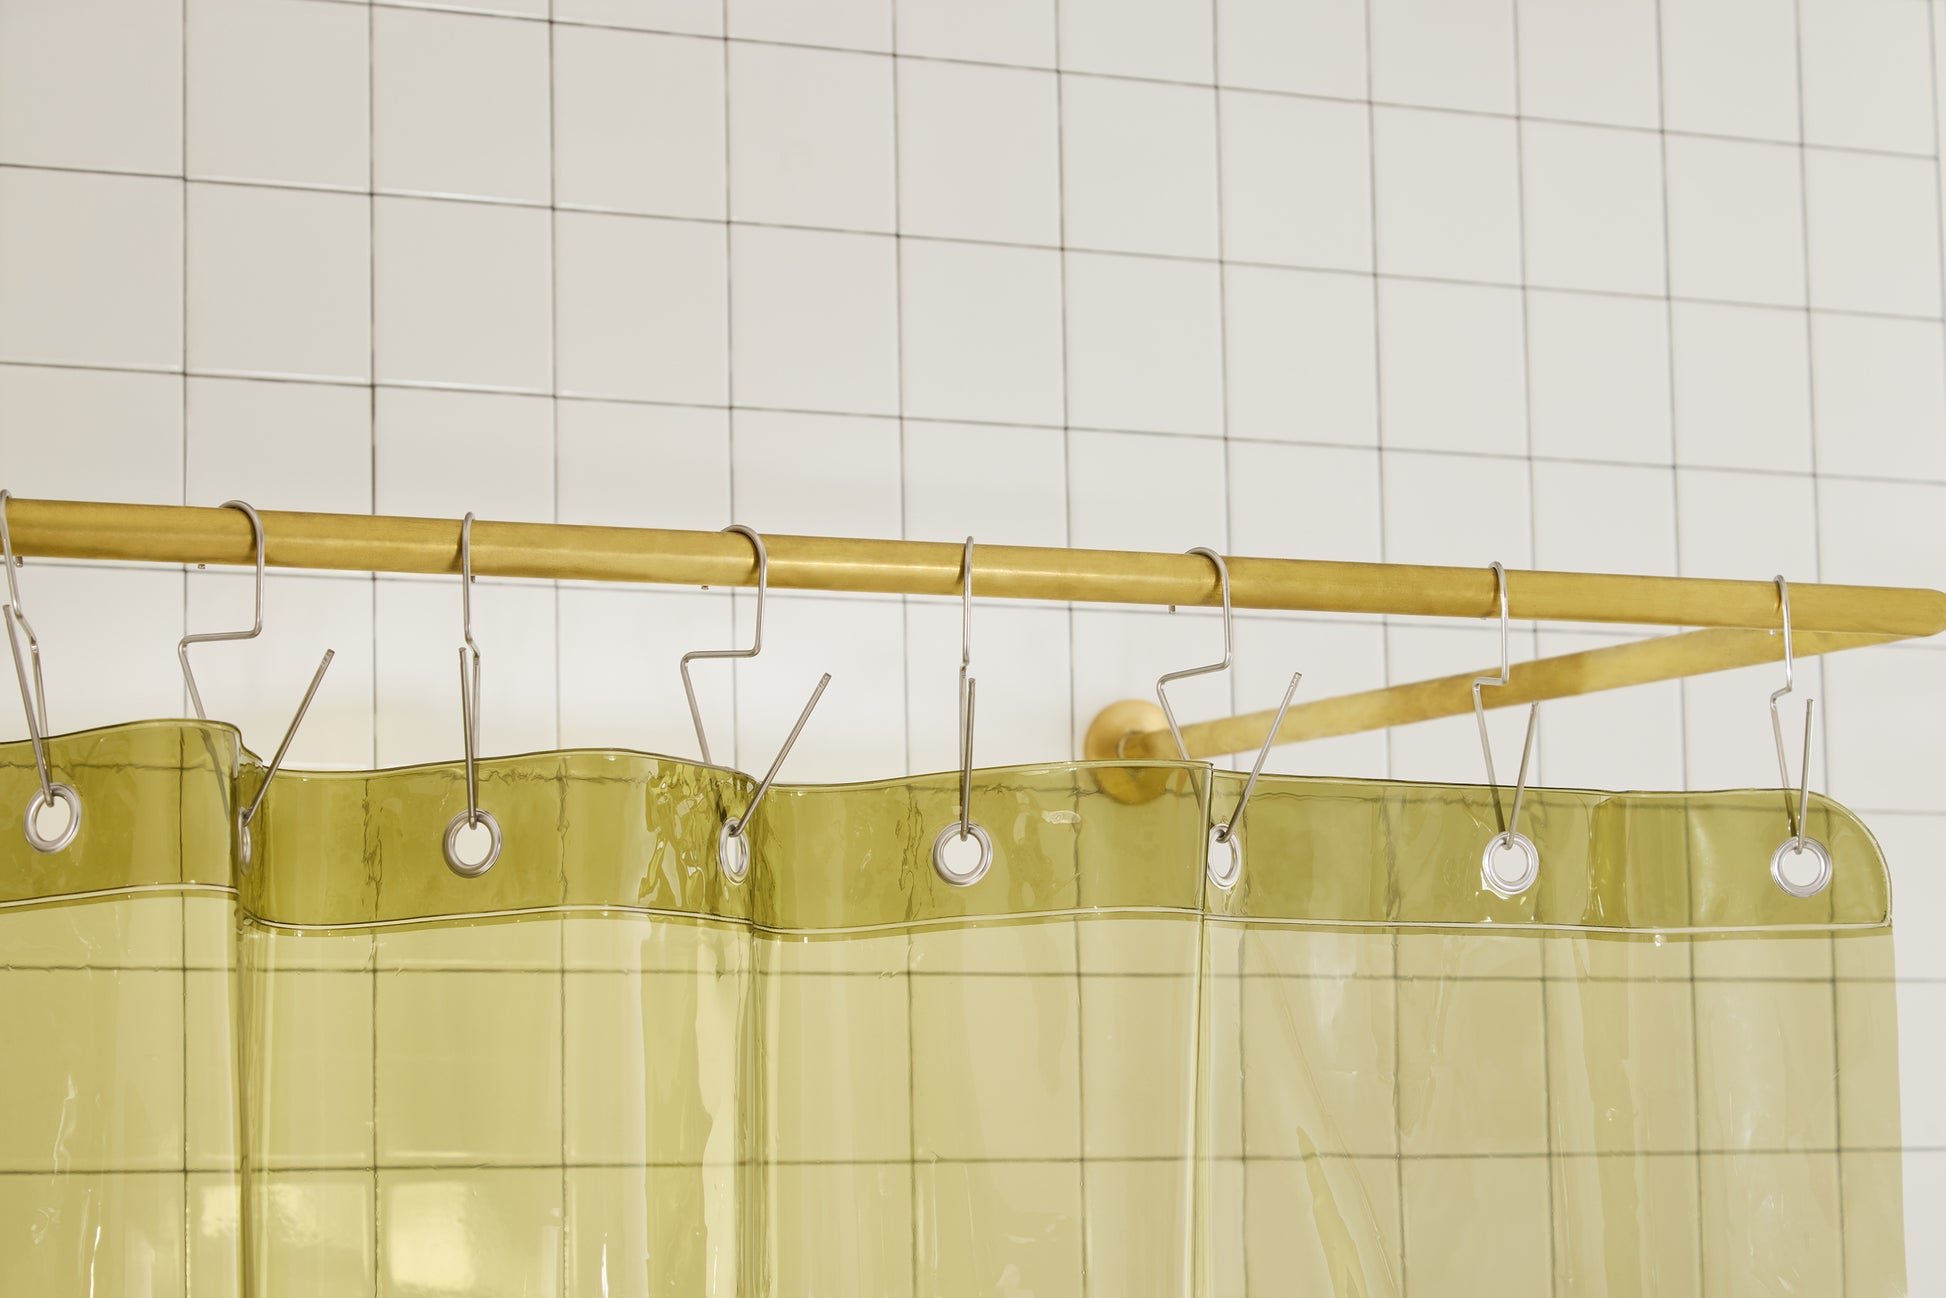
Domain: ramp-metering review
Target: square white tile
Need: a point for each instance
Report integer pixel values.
(280, 282)
(979, 153)
(1137, 491)
(1882, 533)
(90, 269)
(1452, 369)
(298, 446)
(1169, 40)
(642, 308)
(256, 684)
(1300, 355)
(418, 634)
(1444, 53)
(1138, 166)
(814, 320)
(815, 475)
(1593, 200)
(1604, 518)
(1447, 195)
(620, 684)
(618, 97)
(1305, 502)
(108, 644)
(460, 105)
(1017, 32)
(1142, 344)
(858, 731)
(1336, 658)
(1315, 49)
(1022, 711)
(1867, 75)
(1735, 230)
(463, 294)
(1469, 510)
(1878, 389)
(696, 17)
(278, 92)
(1746, 526)
(92, 86)
(1742, 387)
(1297, 181)
(1598, 377)
(620, 464)
(1882, 755)
(1590, 61)
(442, 454)
(77, 434)
(981, 332)
(1616, 739)
(1729, 67)
(499, 8)
(1002, 486)
(1873, 223)
(843, 24)
(811, 138)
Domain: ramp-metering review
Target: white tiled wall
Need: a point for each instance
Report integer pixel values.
(1585, 284)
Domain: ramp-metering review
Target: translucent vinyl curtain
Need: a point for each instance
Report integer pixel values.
(603, 1068)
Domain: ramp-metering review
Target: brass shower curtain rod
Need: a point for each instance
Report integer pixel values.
(1737, 617)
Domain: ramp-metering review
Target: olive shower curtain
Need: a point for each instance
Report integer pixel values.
(605, 1068)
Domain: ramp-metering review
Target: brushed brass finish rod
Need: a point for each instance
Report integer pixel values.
(378, 543)
(1663, 658)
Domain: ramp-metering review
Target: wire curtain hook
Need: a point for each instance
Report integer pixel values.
(1799, 843)
(33, 699)
(1226, 831)
(277, 761)
(966, 826)
(1221, 664)
(469, 706)
(733, 843)
(756, 642)
(251, 632)
(1225, 859)
(1509, 837)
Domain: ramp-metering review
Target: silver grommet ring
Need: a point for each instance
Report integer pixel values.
(1224, 860)
(973, 873)
(733, 852)
(1510, 885)
(465, 869)
(42, 797)
(242, 845)
(1799, 847)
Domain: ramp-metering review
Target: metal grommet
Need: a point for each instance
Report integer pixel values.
(1224, 860)
(951, 833)
(1510, 885)
(474, 870)
(36, 804)
(733, 851)
(242, 845)
(1798, 847)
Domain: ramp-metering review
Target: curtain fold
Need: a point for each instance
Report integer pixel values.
(605, 1068)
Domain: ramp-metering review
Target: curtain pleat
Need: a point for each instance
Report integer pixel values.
(607, 1068)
